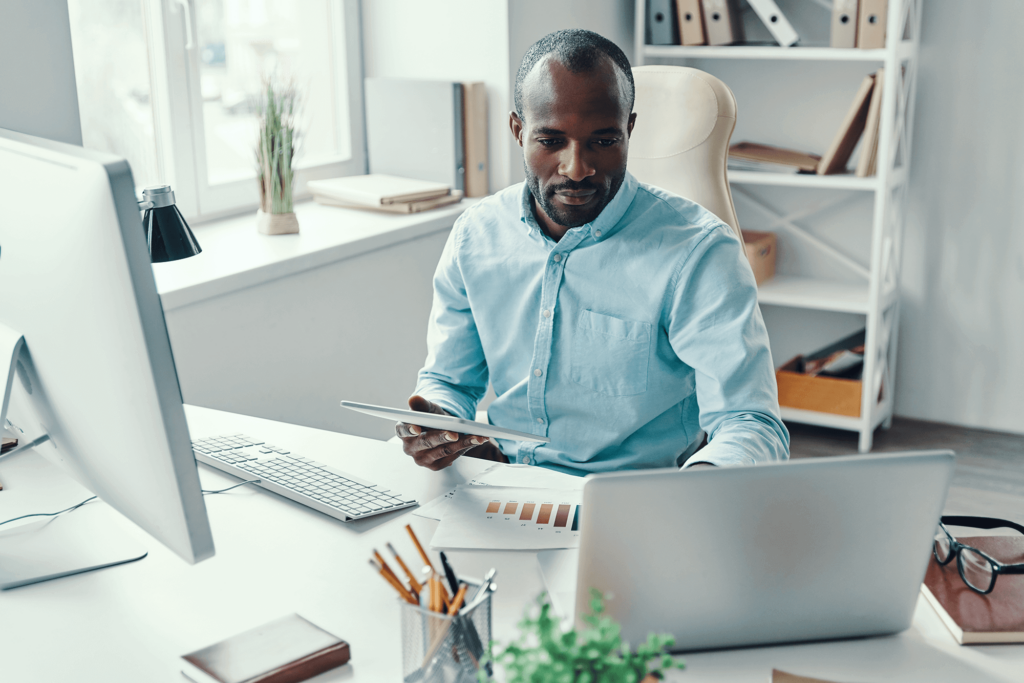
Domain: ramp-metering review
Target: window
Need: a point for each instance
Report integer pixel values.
(169, 85)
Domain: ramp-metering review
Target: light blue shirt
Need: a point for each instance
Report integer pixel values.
(623, 342)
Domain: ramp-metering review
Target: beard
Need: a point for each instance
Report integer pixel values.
(574, 216)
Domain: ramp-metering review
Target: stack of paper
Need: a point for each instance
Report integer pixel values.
(383, 193)
(510, 518)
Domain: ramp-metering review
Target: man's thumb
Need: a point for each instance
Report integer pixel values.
(422, 405)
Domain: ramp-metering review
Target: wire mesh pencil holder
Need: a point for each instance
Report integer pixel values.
(437, 648)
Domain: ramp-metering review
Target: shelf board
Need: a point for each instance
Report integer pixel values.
(813, 417)
(842, 181)
(820, 54)
(819, 294)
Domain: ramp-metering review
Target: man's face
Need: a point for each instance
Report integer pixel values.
(574, 139)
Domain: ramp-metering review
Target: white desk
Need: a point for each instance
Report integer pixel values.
(131, 623)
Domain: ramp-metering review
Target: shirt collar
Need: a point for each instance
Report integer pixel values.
(606, 223)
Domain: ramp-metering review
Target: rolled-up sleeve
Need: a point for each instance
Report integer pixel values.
(715, 327)
(455, 373)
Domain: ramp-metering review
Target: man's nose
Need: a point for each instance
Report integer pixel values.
(574, 164)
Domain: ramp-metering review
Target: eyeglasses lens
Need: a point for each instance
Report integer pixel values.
(941, 545)
(976, 569)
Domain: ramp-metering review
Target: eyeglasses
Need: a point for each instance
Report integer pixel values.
(978, 570)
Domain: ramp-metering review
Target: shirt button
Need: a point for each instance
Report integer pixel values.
(526, 460)
(538, 372)
(540, 420)
(546, 313)
(597, 233)
(557, 257)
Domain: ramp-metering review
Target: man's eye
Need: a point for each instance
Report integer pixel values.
(605, 142)
(548, 142)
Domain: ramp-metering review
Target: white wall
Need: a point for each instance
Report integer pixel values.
(291, 348)
(480, 40)
(961, 346)
(531, 20)
(458, 40)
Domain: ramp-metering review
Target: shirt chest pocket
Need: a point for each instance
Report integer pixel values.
(610, 355)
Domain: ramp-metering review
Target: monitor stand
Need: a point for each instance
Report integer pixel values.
(88, 538)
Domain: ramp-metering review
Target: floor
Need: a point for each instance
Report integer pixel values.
(989, 478)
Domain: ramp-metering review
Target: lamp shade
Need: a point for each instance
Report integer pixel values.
(167, 234)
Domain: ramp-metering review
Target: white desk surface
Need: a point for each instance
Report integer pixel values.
(131, 623)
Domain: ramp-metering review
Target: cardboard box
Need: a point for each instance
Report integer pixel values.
(760, 250)
(821, 394)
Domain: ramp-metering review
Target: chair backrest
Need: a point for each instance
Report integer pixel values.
(684, 120)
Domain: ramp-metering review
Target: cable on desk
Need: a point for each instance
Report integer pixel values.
(252, 481)
(88, 500)
(49, 514)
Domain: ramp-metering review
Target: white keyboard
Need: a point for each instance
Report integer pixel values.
(305, 481)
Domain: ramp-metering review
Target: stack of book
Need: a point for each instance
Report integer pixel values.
(751, 156)
(378, 192)
(861, 123)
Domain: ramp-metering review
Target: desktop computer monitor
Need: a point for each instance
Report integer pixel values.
(92, 367)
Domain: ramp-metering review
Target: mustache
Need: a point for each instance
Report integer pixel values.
(573, 186)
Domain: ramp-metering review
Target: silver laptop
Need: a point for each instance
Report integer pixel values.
(801, 550)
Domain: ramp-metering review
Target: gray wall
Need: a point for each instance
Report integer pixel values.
(961, 346)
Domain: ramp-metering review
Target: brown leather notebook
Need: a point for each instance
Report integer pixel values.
(972, 618)
(784, 677)
(287, 650)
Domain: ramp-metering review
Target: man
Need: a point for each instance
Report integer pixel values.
(615, 318)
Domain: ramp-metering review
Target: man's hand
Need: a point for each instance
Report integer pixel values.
(436, 449)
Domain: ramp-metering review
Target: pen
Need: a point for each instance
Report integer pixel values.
(449, 573)
(416, 585)
(406, 595)
(423, 553)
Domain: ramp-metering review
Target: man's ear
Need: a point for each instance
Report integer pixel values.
(629, 126)
(516, 125)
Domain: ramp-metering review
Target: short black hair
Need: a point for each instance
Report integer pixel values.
(579, 51)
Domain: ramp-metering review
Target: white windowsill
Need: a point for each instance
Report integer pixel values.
(235, 256)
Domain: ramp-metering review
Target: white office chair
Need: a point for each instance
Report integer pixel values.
(684, 120)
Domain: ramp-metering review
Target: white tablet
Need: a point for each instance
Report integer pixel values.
(447, 422)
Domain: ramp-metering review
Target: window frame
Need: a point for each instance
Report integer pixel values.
(178, 111)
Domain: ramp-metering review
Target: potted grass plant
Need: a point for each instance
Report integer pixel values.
(546, 654)
(275, 151)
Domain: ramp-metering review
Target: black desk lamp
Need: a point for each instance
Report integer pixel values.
(167, 234)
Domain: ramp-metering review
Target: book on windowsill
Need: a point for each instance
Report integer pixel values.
(377, 189)
(975, 619)
(287, 650)
(396, 207)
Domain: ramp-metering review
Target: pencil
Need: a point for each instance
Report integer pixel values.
(384, 566)
(416, 585)
(458, 600)
(406, 595)
(423, 553)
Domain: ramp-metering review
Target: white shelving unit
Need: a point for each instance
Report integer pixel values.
(873, 290)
